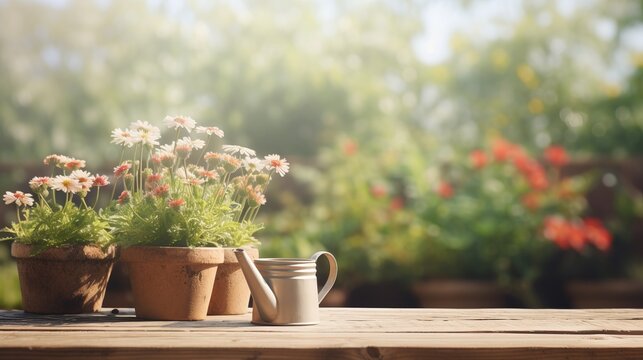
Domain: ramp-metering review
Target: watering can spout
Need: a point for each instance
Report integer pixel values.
(262, 295)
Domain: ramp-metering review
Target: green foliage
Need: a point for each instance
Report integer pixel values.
(360, 213)
(45, 227)
(199, 222)
(9, 283)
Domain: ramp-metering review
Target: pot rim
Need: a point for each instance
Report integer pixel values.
(172, 254)
(65, 253)
(231, 258)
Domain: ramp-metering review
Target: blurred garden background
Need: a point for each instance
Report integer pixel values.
(449, 153)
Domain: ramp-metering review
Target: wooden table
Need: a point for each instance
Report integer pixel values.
(353, 333)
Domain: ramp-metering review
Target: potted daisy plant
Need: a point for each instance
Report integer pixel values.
(181, 210)
(61, 244)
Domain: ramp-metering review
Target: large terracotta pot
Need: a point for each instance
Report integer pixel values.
(450, 293)
(614, 293)
(172, 283)
(64, 280)
(230, 294)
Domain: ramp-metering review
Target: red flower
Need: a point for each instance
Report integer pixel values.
(397, 203)
(523, 162)
(502, 149)
(531, 201)
(124, 197)
(154, 178)
(378, 191)
(161, 190)
(577, 234)
(557, 156)
(478, 159)
(555, 229)
(445, 190)
(537, 180)
(597, 234)
(101, 180)
(349, 147)
(122, 169)
(156, 159)
(176, 203)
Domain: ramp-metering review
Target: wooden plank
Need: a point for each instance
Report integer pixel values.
(343, 333)
(322, 354)
(280, 340)
(354, 320)
(345, 345)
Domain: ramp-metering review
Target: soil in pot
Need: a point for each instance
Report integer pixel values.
(65, 280)
(172, 283)
(231, 294)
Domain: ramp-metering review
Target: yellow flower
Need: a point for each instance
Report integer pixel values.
(637, 59)
(536, 106)
(527, 75)
(611, 90)
(499, 59)
(458, 42)
(440, 74)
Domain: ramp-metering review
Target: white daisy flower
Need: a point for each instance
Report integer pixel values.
(166, 148)
(195, 144)
(39, 182)
(274, 161)
(18, 197)
(72, 164)
(148, 138)
(66, 184)
(144, 126)
(195, 181)
(210, 130)
(236, 149)
(147, 134)
(125, 137)
(85, 179)
(183, 173)
(176, 122)
(252, 164)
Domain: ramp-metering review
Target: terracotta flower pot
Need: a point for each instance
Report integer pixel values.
(65, 280)
(172, 283)
(230, 295)
(459, 294)
(612, 293)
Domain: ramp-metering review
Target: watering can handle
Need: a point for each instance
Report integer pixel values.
(332, 272)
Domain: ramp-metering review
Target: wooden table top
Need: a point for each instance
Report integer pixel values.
(344, 333)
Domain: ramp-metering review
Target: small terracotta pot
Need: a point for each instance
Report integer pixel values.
(230, 295)
(172, 283)
(64, 280)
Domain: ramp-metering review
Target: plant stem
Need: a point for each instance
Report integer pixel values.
(204, 149)
(119, 164)
(140, 169)
(82, 199)
(53, 196)
(97, 195)
(176, 139)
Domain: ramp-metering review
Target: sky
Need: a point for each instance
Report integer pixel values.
(442, 18)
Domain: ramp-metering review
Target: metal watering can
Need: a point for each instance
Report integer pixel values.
(284, 291)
